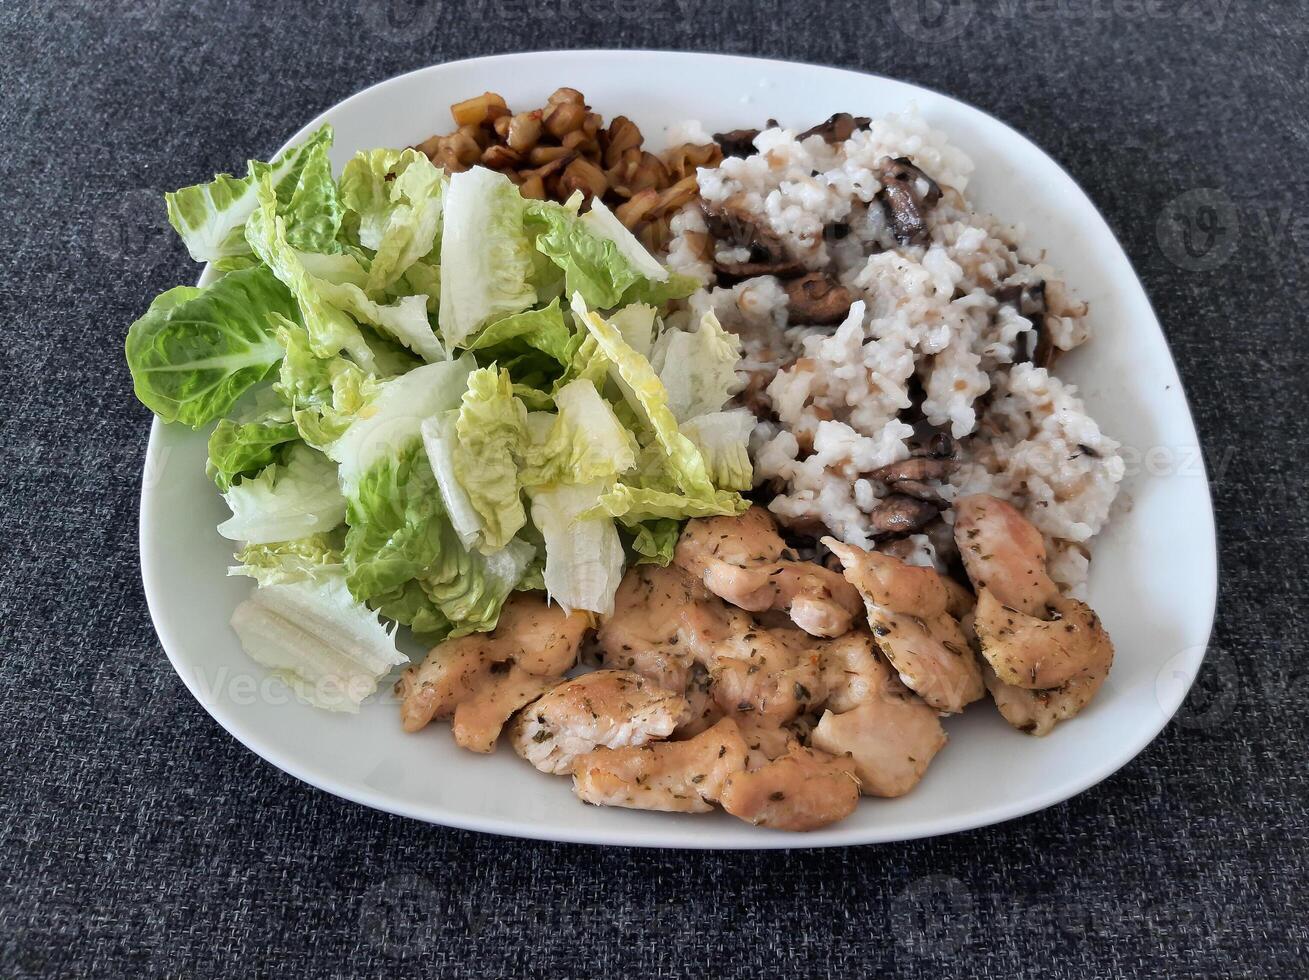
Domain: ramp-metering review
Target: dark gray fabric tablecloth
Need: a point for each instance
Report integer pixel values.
(138, 839)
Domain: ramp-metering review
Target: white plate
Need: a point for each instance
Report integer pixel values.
(1153, 579)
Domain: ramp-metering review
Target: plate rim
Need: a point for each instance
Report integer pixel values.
(762, 839)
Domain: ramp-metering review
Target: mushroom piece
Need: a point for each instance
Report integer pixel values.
(909, 478)
(737, 142)
(733, 225)
(837, 128)
(916, 469)
(1029, 301)
(907, 193)
(939, 445)
(678, 777)
(803, 790)
(816, 299)
(902, 513)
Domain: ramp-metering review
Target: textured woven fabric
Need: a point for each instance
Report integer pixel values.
(138, 839)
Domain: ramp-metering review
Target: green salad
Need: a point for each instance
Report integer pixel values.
(424, 393)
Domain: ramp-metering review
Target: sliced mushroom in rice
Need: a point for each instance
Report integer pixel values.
(1029, 301)
(737, 142)
(910, 478)
(817, 300)
(907, 194)
(918, 469)
(901, 513)
(734, 226)
(837, 128)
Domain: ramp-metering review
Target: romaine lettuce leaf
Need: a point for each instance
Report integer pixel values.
(469, 588)
(412, 222)
(583, 553)
(655, 541)
(330, 329)
(324, 393)
(636, 325)
(660, 294)
(635, 505)
(366, 191)
(286, 501)
(439, 440)
(602, 223)
(486, 254)
(196, 351)
(313, 215)
(337, 268)
(404, 320)
(280, 562)
(698, 368)
(400, 536)
(233, 263)
(592, 265)
(329, 648)
(543, 330)
(585, 441)
(723, 439)
(648, 396)
(239, 449)
(423, 278)
(395, 414)
(331, 299)
(410, 606)
(210, 218)
(491, 436)
(396, 522)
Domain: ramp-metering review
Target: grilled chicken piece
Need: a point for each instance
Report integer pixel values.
(891, 740)
(657, 613)
(682, 777)
(744, 560)
(478, 720)
(907, 611)
(1046, 654)
(645, 632)
(765, 740)
(802, 790)
(540, 639)
(610, 708)
(889, 733)
(1003, 551)
(1037, 712)
(772, 674)
(1040, 654)
(855, 672)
